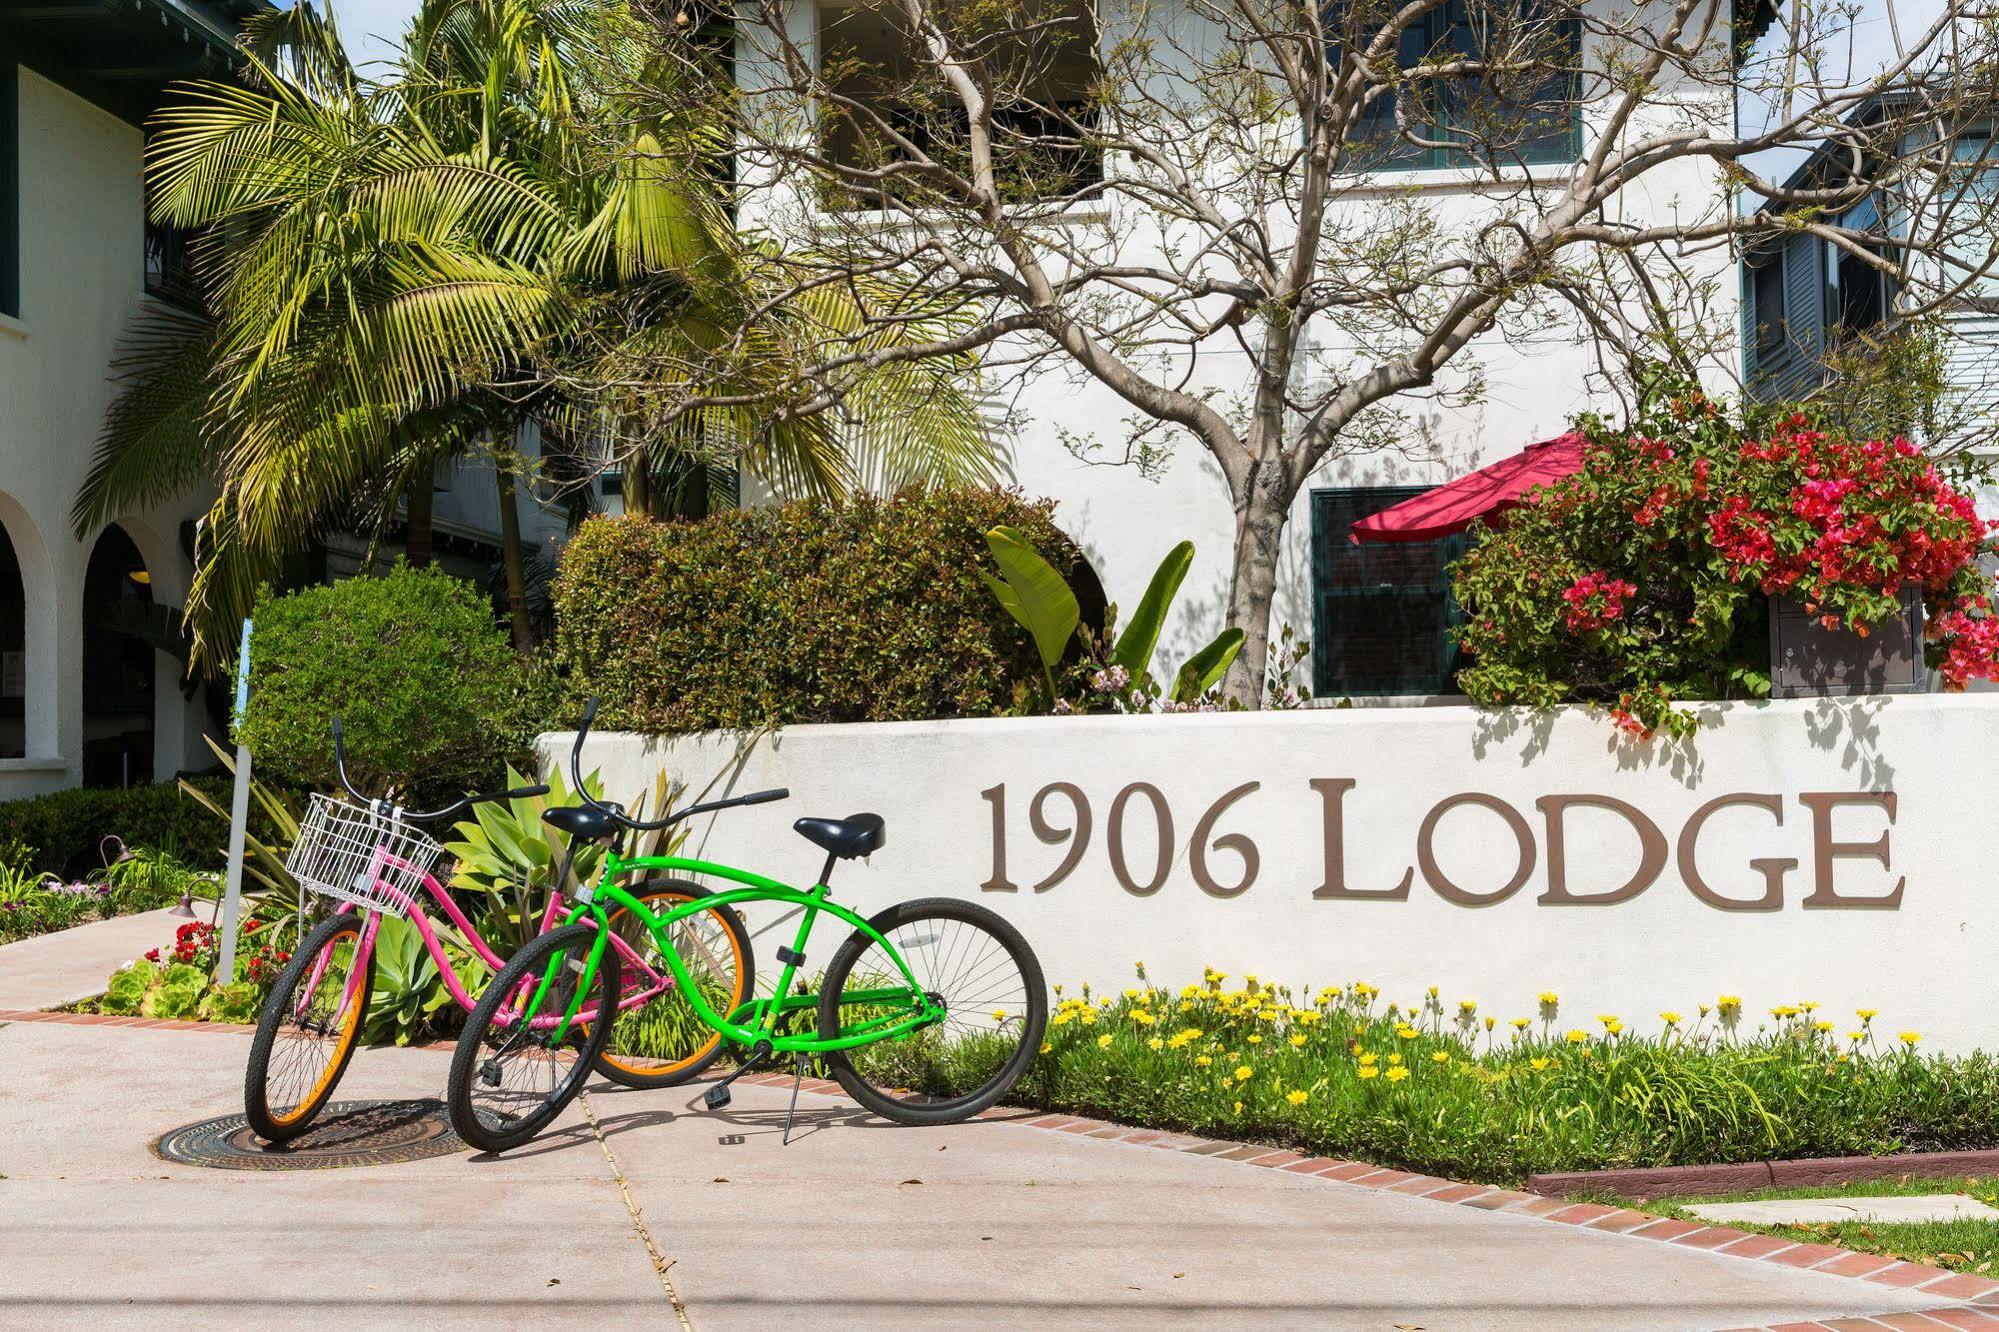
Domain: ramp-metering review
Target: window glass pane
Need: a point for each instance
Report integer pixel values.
(1382, 612)
(10, 189)
(1767, 298)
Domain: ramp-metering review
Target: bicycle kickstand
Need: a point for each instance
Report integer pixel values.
(798, 1076)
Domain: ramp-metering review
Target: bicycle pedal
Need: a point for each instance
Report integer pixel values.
(489, 1073)
(716, 1098)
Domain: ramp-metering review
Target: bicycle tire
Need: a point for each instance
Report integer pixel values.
(472, 1069)
(626, 1069)
(289, 1117)
(916, 1106)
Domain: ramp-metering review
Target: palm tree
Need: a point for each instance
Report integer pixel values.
(391, 268)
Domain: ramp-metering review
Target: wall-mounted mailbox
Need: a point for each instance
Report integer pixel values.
(1808, 660)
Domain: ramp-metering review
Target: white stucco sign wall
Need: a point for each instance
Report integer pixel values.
(1831, 850)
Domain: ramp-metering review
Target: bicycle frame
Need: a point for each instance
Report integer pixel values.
(413, 908)
(918, 1010)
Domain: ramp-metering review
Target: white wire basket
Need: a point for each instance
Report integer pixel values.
(351, 853)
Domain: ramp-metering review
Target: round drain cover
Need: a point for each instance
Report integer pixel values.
(348, 1133)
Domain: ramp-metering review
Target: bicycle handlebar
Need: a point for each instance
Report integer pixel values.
(417, 815)
(636, 825)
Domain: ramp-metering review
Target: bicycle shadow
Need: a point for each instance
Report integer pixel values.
(747, 1123)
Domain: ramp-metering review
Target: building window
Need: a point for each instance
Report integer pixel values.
(10, 189)
(1041, 80)
(1382, 613)
(1527, 119)
(1766, 305)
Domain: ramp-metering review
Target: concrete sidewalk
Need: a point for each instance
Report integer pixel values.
(51, 970)
(856, 1224)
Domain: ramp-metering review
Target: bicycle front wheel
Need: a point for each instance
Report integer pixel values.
(512, 1074)
(308, 1030)
(974, 964)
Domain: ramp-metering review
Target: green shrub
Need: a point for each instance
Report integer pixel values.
(61, 832)
(865, 609)
(412, 663)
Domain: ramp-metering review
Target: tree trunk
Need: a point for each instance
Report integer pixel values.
(1260, 514)
(510, 553)
(637, 478)
(417, 533)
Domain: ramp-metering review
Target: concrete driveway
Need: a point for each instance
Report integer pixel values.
(639, 1207)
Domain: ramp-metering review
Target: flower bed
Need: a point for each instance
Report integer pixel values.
(142, 881)
(1444, 1088)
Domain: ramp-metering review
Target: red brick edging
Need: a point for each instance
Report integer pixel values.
(1974, 1301)
(1809, 1172)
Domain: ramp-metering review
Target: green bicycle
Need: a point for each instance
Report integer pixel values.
(928, 1013)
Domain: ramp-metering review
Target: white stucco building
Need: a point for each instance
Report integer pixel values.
(1381, 614)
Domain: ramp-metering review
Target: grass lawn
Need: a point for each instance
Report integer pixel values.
(1962, 1246)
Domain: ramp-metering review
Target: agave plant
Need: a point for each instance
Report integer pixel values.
(1041, 601)
(512, 859)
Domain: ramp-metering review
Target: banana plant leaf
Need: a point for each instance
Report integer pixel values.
(1141, 636)
(1205, 668)
(1034, 594)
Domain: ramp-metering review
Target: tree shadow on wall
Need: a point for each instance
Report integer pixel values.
(1852, 726)
(1533, 730)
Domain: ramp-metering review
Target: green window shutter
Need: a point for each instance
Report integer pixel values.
(10, 189)
(1382, 614)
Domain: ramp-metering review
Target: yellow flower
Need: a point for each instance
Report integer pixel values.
(1058, 1019)
(1202, 1061)
(1395, 1059)
(1369, 1071)
(1784, 1011)
(1297, 1097)
(1728, 1003)
(1397, 1074)
(1255, 1039)
(1134, 993)
(1521, 1024)
(1104, 1041)
(1670, 1018)
(1577, 1036)
(1613, 1026)
(1297, 1038)
(1490, 1022)
(1155, 1044)
(1046, 1047)
(1864, 1014)
(1143, 1018)
(1433, 992)
(1911, 1037)
(999, 1015)
(1242, 1074)
(1238, 1107)
(1088, 1017)
(1406, 1032)
(1822, 1025)
(1369, 1058)
(1856, 1035)
(1540, 1065)
(1441, 1057)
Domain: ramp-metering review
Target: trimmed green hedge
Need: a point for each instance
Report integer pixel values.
(61, 831)
(864, 609)
(430, 693)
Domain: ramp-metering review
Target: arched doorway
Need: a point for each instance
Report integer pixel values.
(13, 652)
(117, 664)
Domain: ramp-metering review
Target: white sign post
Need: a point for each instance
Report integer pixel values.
(239, 823)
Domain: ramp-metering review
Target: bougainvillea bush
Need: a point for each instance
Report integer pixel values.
(1643, 579)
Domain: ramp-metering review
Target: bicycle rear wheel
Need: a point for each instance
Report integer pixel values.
(986, 977)
(664, 1042)
(308, 1030)
(511, 1075)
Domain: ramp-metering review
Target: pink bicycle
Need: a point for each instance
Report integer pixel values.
(370, 857)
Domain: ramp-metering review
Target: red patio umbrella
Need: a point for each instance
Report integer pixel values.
(1498, 486)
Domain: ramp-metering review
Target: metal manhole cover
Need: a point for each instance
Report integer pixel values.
(349, 1133)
